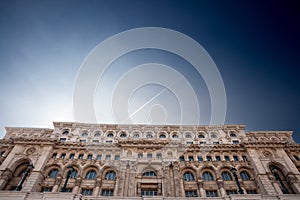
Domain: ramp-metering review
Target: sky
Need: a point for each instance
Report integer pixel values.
(254, 44)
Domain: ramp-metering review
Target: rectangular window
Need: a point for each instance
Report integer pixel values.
(108, 141)
(140, 156)
(72, 156)
(208, 158)
(95, 141)
(107, 193)
(47, 189)
(216, 142)
(251, 191)
(69, 190)
(62, 139)
(192, 193)
(202, 142)
(181, 158)
(235, 158)
(63, 155)
(189, 142)
(117, 157)
(191, 158)
(229, 192)
(90, 157)
(227, 158)
(235, 142)
(80, 156)
(149, 192)
(82, 140)
(244, 158)
(211, 193)
(87, 192)
(99, 157)
(158, 156)
(149, 156)
(200, 159)
(54, 155)
(218, 158)
(107, 157)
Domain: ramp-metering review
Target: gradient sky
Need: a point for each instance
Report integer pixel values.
(255, 45)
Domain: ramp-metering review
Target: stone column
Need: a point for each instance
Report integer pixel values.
(97, 187)
(33, 182)
(200, 188)
(56, 184)
(5, 176)
(221, 187)
(177, 182)
(116, 186)
(77, 185)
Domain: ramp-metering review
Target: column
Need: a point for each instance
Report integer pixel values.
(97, 187)
(33, 182)
(77, 185)
(5, 176)
(56, 184)
(221, 187)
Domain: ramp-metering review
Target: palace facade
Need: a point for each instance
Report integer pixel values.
(101, 161)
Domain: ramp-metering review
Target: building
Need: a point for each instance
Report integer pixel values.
(94, 161)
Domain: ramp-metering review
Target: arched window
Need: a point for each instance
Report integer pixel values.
(162, 136)
(201, 136)
(111, 175)
(123, 135)
(149, 135)
(149, 173)
(175, 136)
(136, 135)
(84, 134)
(91, 174)
(74, 174)
(214, 135)
(188, 176)
(226, 176)
(53, 173)
(65, 132)
(207, 176)
(244, 175)
(284, 185)
(97, 134)
(296, 158)
(110, 135)
(188, 136)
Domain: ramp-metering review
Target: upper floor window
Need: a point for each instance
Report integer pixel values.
(191, 158)
(72, 156)
(244, 158)
(207, 176)
(227, 158)
(110, 135)
(296, 157)
(214, 135)
(235, 158)
(191, 193)
(162, 136)
(158, 156)
(149, 173)
(54, 155)
(74, 173)
(140, 155)
(149, 135)
(188, 136)
(218, 158)
(91, 174)
(87, 192)
(211, 193)
(117, 157)
(208, 158)
(174, 136)
(97, 134)
(53, 173)
(136, 135)
(90, 157)
(232, 135)
(201, 136)
(235, 142)
(63, 155)
(200, 159)
(226, 176)
(84, 134)
(62, 139)
(80, 156)
(106, 192)
(107, 157)
(123, 135)
(111, 175)
(181, 158)
(245, 176)
(188, 176)
(149, 155)
(65, 132)
(99, 157)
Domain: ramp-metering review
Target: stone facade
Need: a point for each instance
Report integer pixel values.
(97, 161)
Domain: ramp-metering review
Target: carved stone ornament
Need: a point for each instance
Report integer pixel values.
(30, 150)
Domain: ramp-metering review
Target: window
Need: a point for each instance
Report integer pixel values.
(162, 136)
(72, 156)
(54, 155)
(229, 192)
(191, 158)
(80, 156)
(189, 142)
(244, 158)
(111, 175)
(296, 158)
(181, 158)
(82, 140)
(65, 132)
(192, 193)
(235, 142)
(63, 155)
(149, 156)
(123, 135)
(207, 176)
(107, 192)
(235, 158)
(47, 189)
(188, 136)
(73, 174)
(110, 135)
(136, 135)
(90, 157)
(208, 158)
(53, 173)
(117, 157)
(188, 176)
(99, 157)
(245, 176)
(202, 142)
(251, 191)
(201, 136)
(108, 141)
(214, 135)
(84, 134)
(91, 174)
(149, 135)
(158, 156)
(149, 173)
(69, 190)
(107, 157)
(216, 142)
(95, 141)
(211, 193)
(97, 134)
(218, 158)
(227, 158)
(226, 176)
(87, 192)
(200, 159)
(232, 135)
(149, 192)
(62, 139)
(175, 136)
(140, 156)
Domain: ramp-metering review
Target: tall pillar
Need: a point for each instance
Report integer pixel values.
(177, 182)
(56, 184)
(97, 187)
(77, 185)
(221, 187)
(5, 176)
(33, 182)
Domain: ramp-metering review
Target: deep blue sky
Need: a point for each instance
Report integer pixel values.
(255, 45)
